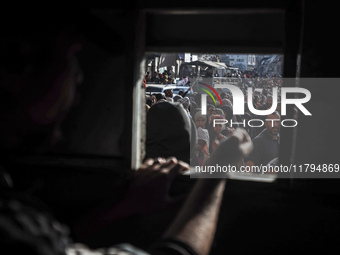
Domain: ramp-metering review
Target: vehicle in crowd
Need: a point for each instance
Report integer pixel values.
(177, 88)
(154, 88)
(160, 88)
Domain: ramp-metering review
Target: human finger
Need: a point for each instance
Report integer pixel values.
(171, 161)
(147, 163)
(152, 164)
(149, 172)
(177, 169)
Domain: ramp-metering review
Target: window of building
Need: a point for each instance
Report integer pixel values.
(260, 45)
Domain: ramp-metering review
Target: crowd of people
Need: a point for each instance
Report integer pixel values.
(246, 78)
(210, 133)
(165, 77)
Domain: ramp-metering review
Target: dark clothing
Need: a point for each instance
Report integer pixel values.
(27, 226)
(265, 149)
(169, 132)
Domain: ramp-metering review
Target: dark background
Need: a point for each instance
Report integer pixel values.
(91, 166)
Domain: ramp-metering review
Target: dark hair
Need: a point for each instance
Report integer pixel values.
(149, 102)
(223, 94)
(168, 132)
(159, 96)
(228, 111)
(210, 105)
(274, 113)
(177, 97)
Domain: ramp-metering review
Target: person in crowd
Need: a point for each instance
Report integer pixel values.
(155, 77)
(165, 77)
(223, 95)
(153, 98)
(215, 129)
(158, 96)
(169, 99)
(229, 116)
(186, 104)
(209, 73)
(210, 111)
(219, 111)
(266, 144)
(268, 103)
(177, 98)
(230, 97)
(263, 99)
(250, 130)
(147, 77)
(210, 101)
(226, 101)
(202, 149)
(149, 101)
(168, 132)
(256, 101)
(200, 120)
(169, 93)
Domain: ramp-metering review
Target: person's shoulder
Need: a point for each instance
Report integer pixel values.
(261, 136)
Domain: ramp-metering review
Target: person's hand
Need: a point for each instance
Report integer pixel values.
(215, 144)
(149, 189)
(233, 150)
(230, 131)
(148, 192)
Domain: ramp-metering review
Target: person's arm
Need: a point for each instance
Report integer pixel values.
(186, 92)
(148, 192)
(196, 222)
